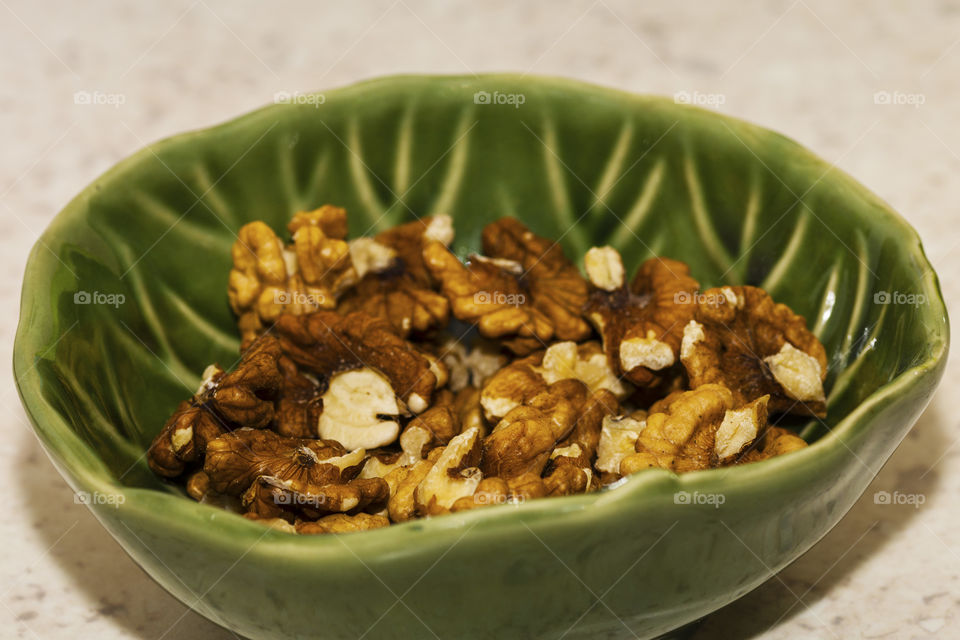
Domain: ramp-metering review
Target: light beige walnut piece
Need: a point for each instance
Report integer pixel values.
(513, 385)
(360, 410)
(604, 268)
(403, 483)
(268, 278)
(453, 476)
(618, 440)
(740, 338)
(414, 445)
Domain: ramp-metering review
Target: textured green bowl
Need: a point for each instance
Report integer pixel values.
(591, 166)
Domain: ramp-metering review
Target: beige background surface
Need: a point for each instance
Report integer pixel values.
(808, 68)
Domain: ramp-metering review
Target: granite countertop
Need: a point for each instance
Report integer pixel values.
(811, 69)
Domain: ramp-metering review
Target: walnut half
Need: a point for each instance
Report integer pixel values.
(741, 339)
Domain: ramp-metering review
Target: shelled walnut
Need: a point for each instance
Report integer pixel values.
(740, 338)
(516, 383)
(641, 324)
(395, 283)
(326, 343)
(697, 429)
(269, 279)
(523, 290)
(224, 401)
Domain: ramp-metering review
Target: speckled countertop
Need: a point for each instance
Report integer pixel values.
(811, 69)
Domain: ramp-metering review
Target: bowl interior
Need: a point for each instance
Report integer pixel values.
(125, 294)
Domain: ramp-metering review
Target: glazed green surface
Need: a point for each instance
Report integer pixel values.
(740, 204)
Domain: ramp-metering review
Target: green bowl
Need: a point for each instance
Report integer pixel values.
(124, 303)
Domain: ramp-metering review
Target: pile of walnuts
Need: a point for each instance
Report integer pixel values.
(383, 379)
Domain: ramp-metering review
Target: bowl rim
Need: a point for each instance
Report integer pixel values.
(83, 470)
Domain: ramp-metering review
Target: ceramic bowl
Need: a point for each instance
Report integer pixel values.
(124, 304)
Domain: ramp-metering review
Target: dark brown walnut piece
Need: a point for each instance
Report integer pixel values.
(409, 240)
(450, 414)
(245, 397)
(325, 343)
(289, 478)
(395, 283)
(273, 497)
(299, 404)
(236, 459)
(566, 478)
(740, 338)
(399, 300)
(641, 323)
(182, 441)
(198, 485)
(198, 488)
(522, 291)
(224, 401)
